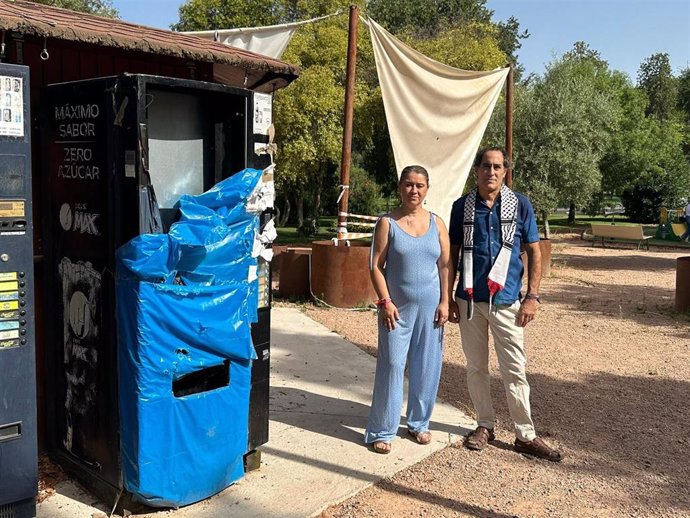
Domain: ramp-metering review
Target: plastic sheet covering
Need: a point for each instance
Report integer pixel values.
(185, 302)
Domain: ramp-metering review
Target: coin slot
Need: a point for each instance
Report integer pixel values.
(10, 431)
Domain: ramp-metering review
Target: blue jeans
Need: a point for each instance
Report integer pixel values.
(686, 235)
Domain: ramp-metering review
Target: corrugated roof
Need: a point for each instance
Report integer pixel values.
(52, 22)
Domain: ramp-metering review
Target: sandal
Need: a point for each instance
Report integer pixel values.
(538, 448)
(423, 437)
(382, 447)
(478, 439)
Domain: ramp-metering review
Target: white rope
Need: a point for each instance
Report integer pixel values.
(240, 30)
(360, 216)
(354, 235)
(362, 224)
(342, 191)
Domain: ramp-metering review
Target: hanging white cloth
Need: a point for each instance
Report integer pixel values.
(271, 40)
(436, 114)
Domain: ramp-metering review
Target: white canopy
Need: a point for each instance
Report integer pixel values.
(436, 114)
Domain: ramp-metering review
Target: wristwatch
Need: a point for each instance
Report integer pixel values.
(532, 296)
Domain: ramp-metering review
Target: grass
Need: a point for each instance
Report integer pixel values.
(558, 223)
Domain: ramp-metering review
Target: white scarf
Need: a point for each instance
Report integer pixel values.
(499, 270)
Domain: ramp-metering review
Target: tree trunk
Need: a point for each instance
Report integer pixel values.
(317, 198)
(545, 219)
(571, 214)
(317, 207)
(299, 207)
(283, 216)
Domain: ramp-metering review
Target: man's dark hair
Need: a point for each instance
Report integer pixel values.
(410, 169)
(485, 150)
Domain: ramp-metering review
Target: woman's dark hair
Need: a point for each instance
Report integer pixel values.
(410, 169)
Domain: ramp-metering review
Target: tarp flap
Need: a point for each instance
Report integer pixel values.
(227, 196)
(185, 303)
(150, 257)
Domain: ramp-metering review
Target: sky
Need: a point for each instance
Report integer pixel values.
(625, 32)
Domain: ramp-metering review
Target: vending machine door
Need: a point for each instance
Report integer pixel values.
(18, 444)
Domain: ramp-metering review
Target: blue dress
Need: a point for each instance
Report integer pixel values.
(413, 282)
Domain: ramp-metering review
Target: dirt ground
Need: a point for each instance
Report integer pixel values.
(609, 367)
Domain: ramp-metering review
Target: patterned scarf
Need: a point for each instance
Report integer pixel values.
(499, 270)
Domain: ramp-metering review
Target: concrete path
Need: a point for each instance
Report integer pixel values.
(320, 395)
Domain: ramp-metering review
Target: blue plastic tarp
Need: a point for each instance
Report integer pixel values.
(185, 304)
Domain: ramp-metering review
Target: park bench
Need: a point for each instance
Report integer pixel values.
(621, 233)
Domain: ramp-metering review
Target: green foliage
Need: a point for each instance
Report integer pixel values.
(99, 7)
(563, 123)
(309, 228)
(642, 203)
(199, 15)
(684, 93)
(480, 48)
(426, 17)
(645, 162)
(366, 193)
(656, 79)
(308, 115)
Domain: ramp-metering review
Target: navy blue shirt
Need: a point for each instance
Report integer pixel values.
(487, 244)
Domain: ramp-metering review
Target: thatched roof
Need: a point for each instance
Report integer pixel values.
(52, 22)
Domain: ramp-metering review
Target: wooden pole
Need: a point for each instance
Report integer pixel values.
(509, 125)
(347, 127)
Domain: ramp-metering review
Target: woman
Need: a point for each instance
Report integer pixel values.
(410, 267)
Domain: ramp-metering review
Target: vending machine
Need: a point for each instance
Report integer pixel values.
(18, 442)
(120, 152)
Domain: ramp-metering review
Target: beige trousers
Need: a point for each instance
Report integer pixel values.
(510, 351)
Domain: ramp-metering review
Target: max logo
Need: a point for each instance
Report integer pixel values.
(78, 220)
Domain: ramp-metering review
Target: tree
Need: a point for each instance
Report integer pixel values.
(99, 7)
(309, 114)
(563, 122)
(656, 79)
(684, 93)
(644, 164)
(659, 170)
(199, 15)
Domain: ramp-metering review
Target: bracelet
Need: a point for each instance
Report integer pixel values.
(382, 302)
(532, 296)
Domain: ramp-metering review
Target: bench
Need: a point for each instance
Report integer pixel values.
(620, 232)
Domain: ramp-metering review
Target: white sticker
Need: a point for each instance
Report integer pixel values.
(11, 106)
(6, 335)
(263, 113)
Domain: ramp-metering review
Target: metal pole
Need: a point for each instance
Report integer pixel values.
(509, 124)
(347, 128)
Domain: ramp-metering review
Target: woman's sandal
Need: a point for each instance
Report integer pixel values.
(382, 447)
(421, 437)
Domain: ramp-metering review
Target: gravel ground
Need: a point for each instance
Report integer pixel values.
(609, 367)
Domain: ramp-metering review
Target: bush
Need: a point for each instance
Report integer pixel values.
(365, 193)
(642, 203)
(309, 228)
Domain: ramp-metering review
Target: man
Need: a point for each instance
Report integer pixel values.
(487, 226)
(686, 234)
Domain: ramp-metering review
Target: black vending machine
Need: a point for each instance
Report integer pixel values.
(18, 442)
(119, 152)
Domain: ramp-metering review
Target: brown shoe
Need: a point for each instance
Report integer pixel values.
(478, 439)
(538, 448)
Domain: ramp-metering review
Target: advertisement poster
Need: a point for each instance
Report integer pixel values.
(11, 106)
(263, 113)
